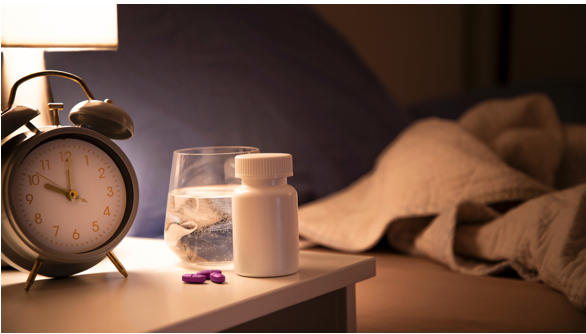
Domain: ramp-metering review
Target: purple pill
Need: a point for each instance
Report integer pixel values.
(215, 271)
(217, 278)
(193, 278)
(206, 273)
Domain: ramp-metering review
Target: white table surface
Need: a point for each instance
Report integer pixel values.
(153, 297)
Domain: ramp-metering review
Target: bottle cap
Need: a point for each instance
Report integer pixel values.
(263, 165)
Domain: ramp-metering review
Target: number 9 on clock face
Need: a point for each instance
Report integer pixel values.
(68, 195)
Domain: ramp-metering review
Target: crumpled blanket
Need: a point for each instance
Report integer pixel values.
(480, 195)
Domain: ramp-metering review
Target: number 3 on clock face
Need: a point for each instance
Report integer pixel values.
(68, 195)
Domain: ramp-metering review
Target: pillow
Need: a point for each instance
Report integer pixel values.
(274, 77)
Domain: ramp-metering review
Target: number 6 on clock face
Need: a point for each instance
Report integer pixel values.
(69, 195)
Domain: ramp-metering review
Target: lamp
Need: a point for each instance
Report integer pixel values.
(31, 29)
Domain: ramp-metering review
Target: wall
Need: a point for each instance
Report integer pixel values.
(415, 50)
(424, 51)
(548, 42)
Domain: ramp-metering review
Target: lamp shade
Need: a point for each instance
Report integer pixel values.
(66, 26)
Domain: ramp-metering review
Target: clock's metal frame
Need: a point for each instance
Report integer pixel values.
(25, 253)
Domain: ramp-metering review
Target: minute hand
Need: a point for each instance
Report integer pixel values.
(70, 173)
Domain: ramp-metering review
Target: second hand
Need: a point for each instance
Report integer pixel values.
(46, 178)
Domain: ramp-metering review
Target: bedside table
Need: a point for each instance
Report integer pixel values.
(319, 298)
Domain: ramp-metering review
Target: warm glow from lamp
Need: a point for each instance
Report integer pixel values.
(30, 29)
(72, 26)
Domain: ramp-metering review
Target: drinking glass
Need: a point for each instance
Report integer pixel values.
(198, 223)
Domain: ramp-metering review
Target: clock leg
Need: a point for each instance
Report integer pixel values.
(117, 264)
(33, 274)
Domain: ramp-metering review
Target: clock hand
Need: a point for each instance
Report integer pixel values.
(46, 178)
(57, 189)
(65, 192)
(70, 173)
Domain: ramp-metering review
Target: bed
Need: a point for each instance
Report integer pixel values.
(281, 79)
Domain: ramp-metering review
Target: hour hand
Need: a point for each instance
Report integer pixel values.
(57, 189)
(68, 194)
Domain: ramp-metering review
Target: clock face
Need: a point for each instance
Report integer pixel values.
(68, 195)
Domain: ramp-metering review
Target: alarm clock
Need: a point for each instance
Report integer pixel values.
(69, 193)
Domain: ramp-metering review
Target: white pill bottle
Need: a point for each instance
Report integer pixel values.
(264, 216)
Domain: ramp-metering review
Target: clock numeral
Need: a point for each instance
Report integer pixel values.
(103, 171)
(107, 211)
(29, 198)
(38, 218)
(75, 235)
(57, 229)
(43, 164)
(87, 162)
(33, 180)
(110, 192)
(67, 155)
(95, 226)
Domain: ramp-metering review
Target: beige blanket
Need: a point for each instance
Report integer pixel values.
(439, 189)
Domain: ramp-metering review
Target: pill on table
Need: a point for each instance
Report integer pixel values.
(206, 273)
(217, 278)
(215, 271)
(193, 278)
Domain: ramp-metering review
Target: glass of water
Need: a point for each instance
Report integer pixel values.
(198, 223)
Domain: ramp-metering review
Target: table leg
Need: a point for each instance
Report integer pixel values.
(351, 326)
